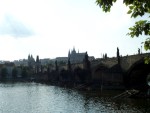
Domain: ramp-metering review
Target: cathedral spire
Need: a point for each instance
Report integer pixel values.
(29, 57)
(73, 48)
(73, 51)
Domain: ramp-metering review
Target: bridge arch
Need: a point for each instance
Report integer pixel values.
(136, 76)
(98, 71)
(108, 76)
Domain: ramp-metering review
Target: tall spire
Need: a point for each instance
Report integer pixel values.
(73, 48)
(73, 51)
(37, 59)
(29, 57)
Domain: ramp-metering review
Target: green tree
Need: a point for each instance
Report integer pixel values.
(136, 8)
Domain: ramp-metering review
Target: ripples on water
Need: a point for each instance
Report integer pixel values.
(38, 98)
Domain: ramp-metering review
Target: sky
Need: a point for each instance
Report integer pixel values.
(49, 28)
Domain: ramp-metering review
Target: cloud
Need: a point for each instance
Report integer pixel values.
(13, 27)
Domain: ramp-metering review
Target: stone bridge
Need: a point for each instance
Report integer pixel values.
(128, 70)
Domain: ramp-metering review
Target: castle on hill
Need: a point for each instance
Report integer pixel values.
(74, 57)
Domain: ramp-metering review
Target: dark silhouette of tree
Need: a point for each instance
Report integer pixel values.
(69, 65)
(4, 72)
(61, 63)
(86, 62)
(79, 75)
(136, 8)
(24, 73)
(14, 72)
(105, 55)
(41, 69)
(64, 76)
(48, 69)
(56, 66)
(37, 64)
(87, 68)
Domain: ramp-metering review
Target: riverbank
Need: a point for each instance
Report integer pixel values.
(78, 86)
(85, 87)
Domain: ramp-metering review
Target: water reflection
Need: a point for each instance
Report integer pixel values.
(38, 98)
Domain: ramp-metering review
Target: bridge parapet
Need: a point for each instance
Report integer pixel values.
(127, 61)
(109, 62)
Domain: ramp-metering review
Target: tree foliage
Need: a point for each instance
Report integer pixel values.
(136, 8)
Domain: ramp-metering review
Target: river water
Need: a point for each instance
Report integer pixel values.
(40, 98)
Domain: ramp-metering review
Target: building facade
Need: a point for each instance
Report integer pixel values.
(75, 57)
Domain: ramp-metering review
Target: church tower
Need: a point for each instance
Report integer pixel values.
(31, 61)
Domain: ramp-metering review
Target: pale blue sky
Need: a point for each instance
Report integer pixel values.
(49, 28)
